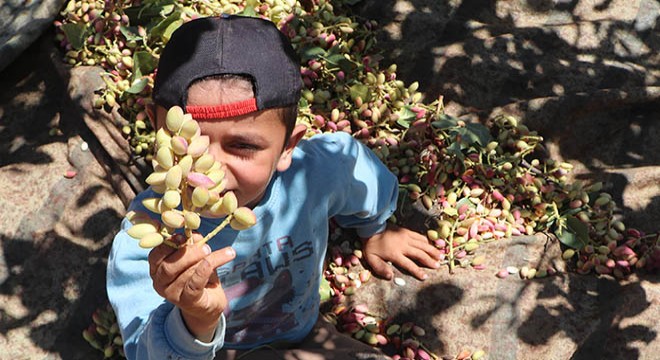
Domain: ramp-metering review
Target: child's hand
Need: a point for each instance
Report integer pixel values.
(404, 248)
(187, 278)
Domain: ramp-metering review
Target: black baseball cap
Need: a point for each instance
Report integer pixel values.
(228, 44)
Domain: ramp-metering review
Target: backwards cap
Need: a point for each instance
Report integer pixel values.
(228, 44)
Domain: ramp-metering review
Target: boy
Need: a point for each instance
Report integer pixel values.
(240, 79)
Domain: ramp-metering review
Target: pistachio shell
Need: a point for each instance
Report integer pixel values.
(196, 179)
(200, 196)
(216, 209)
(171, 199)
(162, 138)
(165, 157)
(189, 129)
(216, 175)
(172, 219)
(567, 254)
(229, 202)
(192, 220)
(138, 231)
(156, 178)
(151, 240)
(174, 119)
(198, 146)
(219, 187)
(204, 163)
(418, 331)
(244, 217)
(392, 329)
(179, 145)
(152, 204)
(244, 220)
(478, 260)
(173, 178)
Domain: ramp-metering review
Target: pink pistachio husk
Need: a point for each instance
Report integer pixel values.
(196, 179)
(198, 146)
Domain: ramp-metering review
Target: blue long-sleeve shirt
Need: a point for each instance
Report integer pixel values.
(272, 284)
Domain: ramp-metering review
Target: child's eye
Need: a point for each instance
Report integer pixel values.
(245, 146)
(243, 150)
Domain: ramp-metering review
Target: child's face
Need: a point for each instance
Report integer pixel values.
(251, 147)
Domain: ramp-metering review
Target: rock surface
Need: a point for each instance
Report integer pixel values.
(584, 74)
(55, 230)
(21, 23)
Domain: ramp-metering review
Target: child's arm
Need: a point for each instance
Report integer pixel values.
(404, 248)
(151, 327)
(367, 197)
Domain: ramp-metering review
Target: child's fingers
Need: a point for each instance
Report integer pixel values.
(194, 288)
(157, 255)
(429, 249)
(411, 267)
(422, 257)
(165, 269)
(205, 274)
(378, 266)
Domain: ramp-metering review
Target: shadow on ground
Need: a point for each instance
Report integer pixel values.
(55, 231)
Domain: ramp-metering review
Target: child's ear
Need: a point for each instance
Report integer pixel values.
(285, 158)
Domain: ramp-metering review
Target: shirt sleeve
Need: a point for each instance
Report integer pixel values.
(151, 327)
(367, 191)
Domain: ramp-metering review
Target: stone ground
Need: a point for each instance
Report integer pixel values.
(585, 74)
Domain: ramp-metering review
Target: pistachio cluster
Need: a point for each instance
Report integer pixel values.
(191, 182)
(103, 333)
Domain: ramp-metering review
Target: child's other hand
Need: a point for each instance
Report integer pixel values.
(404, 248)
(187, 278)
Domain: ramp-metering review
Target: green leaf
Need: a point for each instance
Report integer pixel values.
(167, 34)
(75, 34)
(340, 61)
(130, 33)
(164, 28)
(477, 133)
(406, 116)
(311, 52)
(445, 122)
(455, 149)
(575, 234)
(137, 86)
(144, 62)
(248, 10)
(145, 13)
(325, 291)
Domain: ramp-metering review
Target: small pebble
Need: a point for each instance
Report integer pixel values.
(399, 281)
(84, 146)
(512, 269)
(502, 274)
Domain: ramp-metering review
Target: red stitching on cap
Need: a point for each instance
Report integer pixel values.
(224, 110)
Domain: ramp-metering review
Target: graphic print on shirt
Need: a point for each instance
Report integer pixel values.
(260, 290)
